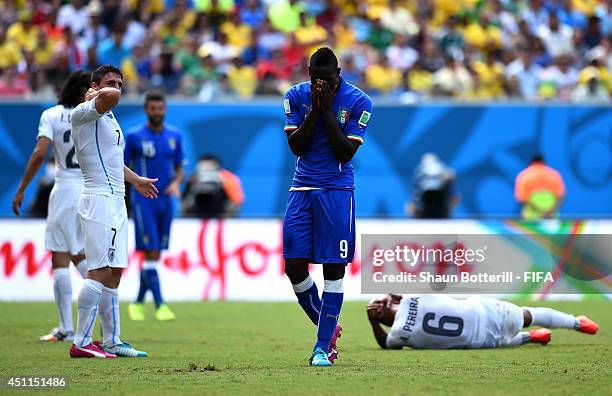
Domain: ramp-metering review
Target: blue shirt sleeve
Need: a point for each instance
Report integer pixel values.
(292, 111)
(130, 144)
(359, 119)
(179, 155)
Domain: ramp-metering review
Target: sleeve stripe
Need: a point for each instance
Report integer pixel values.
(289, 128)
(355, 137)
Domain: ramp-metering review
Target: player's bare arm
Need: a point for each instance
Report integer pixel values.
(174, 188)
(34, 163)
(106, 98)
(299, 140)
(374, 310)
(344, 148)
(143, 185)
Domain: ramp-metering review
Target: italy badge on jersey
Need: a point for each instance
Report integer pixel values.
(343, 115)
(287, 106)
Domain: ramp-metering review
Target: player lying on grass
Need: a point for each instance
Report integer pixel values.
(442, 322)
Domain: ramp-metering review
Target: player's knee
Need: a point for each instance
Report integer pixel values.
(296, 270)
(333, 271)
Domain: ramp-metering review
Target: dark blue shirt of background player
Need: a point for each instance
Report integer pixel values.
(156, 150)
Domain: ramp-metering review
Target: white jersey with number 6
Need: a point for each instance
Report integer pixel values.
(99, 143)
(437, 322)
(55, 125)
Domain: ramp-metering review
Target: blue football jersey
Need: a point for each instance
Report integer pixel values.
(318, 167)
(154, 154)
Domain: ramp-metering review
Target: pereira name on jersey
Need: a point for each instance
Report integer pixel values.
(318, 167)
(55, 125)
(99, 144)
(437, 322)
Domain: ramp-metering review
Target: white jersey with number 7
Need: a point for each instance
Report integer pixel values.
(99, 144)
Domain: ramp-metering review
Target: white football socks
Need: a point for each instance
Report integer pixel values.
(521, 338)
(81, 266)
(333, 286)
(109, 316)
(62, 290)
(551, 318)
(87, 308)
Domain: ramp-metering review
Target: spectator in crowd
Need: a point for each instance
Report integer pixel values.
(434, 194)
(592, 89)
(398, 19)
(557, 38)
(400, 54)
(24, 33)
(490, 77)
(242, 79)
(10, 52)
(11, 84)
(539, 189)
(111, 51)
(253, 14)
(453, 80)
(285, 15)
(74, 16)
(525, 74)
(212, 191)
(382, 77)
(419, 80)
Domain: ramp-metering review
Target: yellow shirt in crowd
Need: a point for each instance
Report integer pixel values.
(383, 79)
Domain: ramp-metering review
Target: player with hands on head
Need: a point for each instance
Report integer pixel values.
(99, 144)
(326, 120)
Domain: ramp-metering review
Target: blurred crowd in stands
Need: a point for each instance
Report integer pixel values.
(406, 50)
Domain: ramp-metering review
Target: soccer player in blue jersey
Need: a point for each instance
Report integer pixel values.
(155, 150)
(326, 120)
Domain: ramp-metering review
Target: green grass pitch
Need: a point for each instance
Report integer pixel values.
(228, 348)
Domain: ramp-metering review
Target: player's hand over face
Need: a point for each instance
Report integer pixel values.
(17, 201)
(173, 189)
(314, 98)
(326, 96)
(146, 187)
(375, 311)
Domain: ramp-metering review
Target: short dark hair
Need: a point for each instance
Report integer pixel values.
(324, 57)
(100, 72)
(73, 90)
(154, 96)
